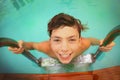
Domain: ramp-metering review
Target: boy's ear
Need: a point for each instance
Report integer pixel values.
(49, 39)
(80, 39)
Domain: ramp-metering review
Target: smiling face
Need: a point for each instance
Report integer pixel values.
(65, 43)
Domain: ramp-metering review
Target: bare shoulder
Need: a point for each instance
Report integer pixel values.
(85, 42)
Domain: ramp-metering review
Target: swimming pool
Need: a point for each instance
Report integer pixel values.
(27, 20)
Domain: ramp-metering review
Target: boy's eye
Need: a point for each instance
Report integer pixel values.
(56, 40)
(72, 40)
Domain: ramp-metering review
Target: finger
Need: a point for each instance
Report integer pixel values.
(20, 44)
(105, 49)
(12, 49)
(111, 44)
(101, 41)
(16, 50)
(20, 49)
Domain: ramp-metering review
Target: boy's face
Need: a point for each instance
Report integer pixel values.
(65, 43)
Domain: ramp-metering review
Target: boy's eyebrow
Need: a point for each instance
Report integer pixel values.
(67, 37)
(72, 36)
(55, 37)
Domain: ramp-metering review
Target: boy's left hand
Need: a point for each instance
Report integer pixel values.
(107, 47)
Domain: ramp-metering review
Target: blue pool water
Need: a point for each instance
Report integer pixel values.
(27, 20)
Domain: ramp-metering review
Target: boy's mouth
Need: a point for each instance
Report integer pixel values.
(65, 56)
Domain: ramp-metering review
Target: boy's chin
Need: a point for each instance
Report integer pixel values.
(65, 62)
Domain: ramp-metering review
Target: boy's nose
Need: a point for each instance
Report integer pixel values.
(64, 47)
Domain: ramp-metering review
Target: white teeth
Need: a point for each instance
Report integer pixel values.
(64, 55)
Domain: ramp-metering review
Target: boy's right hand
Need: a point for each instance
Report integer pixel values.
(17, 50)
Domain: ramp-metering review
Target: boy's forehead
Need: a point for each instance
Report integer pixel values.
(65, 32)
(64, 28)
(71, 36)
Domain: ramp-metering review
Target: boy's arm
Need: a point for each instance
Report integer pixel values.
(94, 41)
(40, 46)
(28, 45)
(106, 48)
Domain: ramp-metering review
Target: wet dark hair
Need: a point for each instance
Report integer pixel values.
(63, 19)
